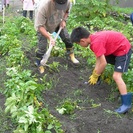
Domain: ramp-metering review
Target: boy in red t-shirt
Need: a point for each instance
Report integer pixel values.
(109, 47)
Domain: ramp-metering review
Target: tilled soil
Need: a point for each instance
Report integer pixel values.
(95, 112)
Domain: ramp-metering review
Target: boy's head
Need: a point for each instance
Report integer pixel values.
(80, 36)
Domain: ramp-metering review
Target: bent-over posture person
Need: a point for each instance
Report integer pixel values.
(109, 47)
(50, 16)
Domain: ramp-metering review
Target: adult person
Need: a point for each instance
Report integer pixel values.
(7, 3)
(109, 47)
(50, 16)
(4, 3)
(28, 6)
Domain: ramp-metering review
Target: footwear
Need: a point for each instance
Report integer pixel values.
(38, 59)
(70, 55)
(37, 62)
(126, 103)
(40, 67)
(73, 59)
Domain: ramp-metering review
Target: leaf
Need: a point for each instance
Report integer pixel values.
(10, 101)
(23, 120)
(61, 110)
(19, 131)
(39, 128)
(26, 127)
(14, 114)
(7, 109)
(48, 131)
(13, 109)
(31, 109)
(50, 126)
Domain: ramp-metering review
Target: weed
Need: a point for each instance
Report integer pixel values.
(78, 92)
(110, 113)
(93, 104)
(67, 107)
(54, 66)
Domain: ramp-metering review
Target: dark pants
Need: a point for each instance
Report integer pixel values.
(42, 42)
(121, 63)
(30, 13)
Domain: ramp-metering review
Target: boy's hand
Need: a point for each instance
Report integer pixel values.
(93, 78)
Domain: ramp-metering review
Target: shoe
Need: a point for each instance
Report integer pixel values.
(126, 103)
(40, 67)
(37, 62)
(73, 59)
(70, 55)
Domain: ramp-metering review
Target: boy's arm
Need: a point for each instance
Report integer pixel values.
(100, 64)
(99, 68)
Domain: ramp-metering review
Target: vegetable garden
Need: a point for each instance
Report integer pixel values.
(58, 101)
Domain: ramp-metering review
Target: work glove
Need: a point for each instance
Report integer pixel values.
(93, 78)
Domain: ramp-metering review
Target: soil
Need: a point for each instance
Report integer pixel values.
(69, 84)
(95, 112)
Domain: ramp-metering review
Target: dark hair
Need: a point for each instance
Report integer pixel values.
(79, 33)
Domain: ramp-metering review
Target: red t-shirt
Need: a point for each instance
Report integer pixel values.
(109, 42)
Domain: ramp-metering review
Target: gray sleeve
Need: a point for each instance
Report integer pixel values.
(40, 19)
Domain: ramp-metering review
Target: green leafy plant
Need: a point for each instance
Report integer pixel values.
(54, 66)
(7, 42)
(67, 107)
(24, 106)
(93, 104)
(16, 57)
(22, 91)
(47, 83)
(78, 92)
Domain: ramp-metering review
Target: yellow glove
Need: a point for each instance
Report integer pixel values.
(93, 78)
